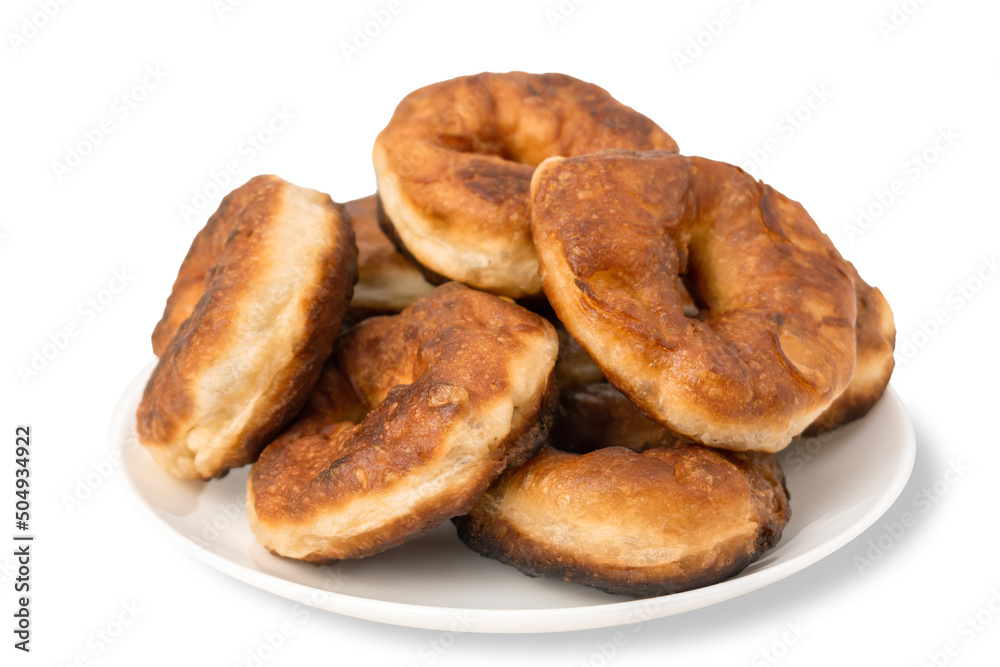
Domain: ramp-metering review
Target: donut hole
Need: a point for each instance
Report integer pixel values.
(495, 146)
(695, 306)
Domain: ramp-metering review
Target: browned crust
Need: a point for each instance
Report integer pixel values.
(773, 342)
(457, 158)
(684, 485)
(389, 230)
(211, 296)
(876, 340)
(435, 379)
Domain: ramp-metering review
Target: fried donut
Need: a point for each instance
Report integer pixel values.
(387, 281)
(773, 343)
(875, 333)
(459, 387)
(454, 166)
(252, 316)
(667, 520)
(595, 415)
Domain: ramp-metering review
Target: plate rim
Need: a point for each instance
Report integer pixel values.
(503, 621)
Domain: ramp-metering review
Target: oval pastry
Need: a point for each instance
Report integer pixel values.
(773, 342)
(252, 316)
(454, 166)
(875, 334)
(456, 388)
(667, 520)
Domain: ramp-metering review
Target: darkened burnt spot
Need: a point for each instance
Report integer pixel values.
(840, 322)
(769, 212)
(496, 182)
(585, 288)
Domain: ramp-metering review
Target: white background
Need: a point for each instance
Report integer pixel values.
(886, 96)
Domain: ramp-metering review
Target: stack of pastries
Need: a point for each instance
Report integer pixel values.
(548, 326)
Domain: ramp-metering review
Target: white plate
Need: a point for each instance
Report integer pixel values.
(838, 488)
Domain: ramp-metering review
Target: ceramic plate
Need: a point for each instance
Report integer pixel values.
(840, 485)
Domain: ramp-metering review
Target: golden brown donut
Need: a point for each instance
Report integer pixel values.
(454, 166)
(387, 281)
(251, 318)
(773, 343)
(459, 386)
(667, 520)
(875, 333)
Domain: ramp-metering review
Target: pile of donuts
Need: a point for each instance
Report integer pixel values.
(549, 326)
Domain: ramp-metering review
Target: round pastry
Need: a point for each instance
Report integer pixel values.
(454, 166)
(459, 387)
(252, 316)
(875, 333)
(772, 344)
(667, 520)
(387, 281)
(595, 415)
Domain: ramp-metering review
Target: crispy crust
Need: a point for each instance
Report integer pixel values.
(388, 282)
(459, 386)
(668, 520)
(454, 166)
(876, 340)
(773, 342)
(253, 314)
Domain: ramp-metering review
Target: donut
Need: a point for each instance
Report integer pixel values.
(666, 520)
(875, 333)
(590, 416)
(387, 281)
(414, 418)
(454, 166)
(252, 316)
(773, 342)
